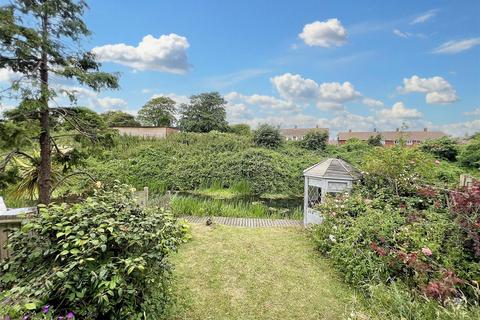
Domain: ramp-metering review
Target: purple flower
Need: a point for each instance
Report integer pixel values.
(46, 308)
(25, 318)
(7, 317)
(61, 317)
(70, 315)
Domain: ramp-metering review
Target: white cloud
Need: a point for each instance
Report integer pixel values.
(335, 91)
(326, 96)
(333, 106)
(452, 47)
(237, 112)
(407, 35)
(268, 103)
(372, 103)
(5, 107)
(7, 75)
(474, 113)
(109, 102)
(437, 89)
(294, 87)
(91, 99)
(400, 33)
(425, 16)
(399, 111)
(285, 121)
(166, 53)
(460, 129)
(325, 34)
(179, 99)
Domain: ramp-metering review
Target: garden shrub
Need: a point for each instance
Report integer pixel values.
(397, 169)
(470, 154)
(315, 140)
(443, 148)
(100, 259)
(267, 136)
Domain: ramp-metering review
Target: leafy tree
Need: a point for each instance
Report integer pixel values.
(158, 112)
(315, 140)
(375, 141)
(444, 148)
(240, 129)
(119, 119)
(470, 154)
(267, 136)
(39, 39)
(204, 113)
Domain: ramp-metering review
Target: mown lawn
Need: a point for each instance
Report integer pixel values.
(262, 273)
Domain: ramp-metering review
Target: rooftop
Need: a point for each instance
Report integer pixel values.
(333, 168)
(300, 131)
(392, 135)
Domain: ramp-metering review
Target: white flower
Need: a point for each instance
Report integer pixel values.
(332, 238)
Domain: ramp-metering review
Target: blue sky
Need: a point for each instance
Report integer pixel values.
(339, 64)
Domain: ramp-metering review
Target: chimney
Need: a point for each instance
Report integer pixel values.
(374, 129)
(316, 126)
(295, 126)
(349, 130)
(425, 129)
(398, 129)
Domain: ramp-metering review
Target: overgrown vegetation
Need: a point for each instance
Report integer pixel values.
(315, 140)
(189, 161)
(267, 136)
(104, 258)
(407, 237)
(191, 206)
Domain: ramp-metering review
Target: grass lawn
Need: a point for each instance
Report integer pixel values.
(259, 273)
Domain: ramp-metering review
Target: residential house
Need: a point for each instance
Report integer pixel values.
(296, 134)
(391, 138)
(153, 132)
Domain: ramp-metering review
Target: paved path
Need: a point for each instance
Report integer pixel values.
(246, 222)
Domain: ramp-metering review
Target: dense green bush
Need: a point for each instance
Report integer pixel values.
(100, 259)
(470, 154)
(267, 136)
(240, 129)
(442, 148)
(188, 161)
(315, 140)
(399, 169)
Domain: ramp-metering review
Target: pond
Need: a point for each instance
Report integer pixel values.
(248, 206)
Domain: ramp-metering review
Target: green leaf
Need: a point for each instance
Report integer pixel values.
(30, 306)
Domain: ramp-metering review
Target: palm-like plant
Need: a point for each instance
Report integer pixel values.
(29, 174)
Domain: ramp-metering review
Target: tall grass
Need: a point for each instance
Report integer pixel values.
(191, 206)
(225, 190)
(395, 301)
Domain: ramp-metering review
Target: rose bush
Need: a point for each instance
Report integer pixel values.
(403, 226)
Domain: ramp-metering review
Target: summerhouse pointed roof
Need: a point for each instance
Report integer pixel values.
(333, 168)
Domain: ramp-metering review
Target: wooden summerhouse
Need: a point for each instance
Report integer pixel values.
(327, 177)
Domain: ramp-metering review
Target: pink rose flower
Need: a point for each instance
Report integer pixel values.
(437, 162)
(426, 251)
